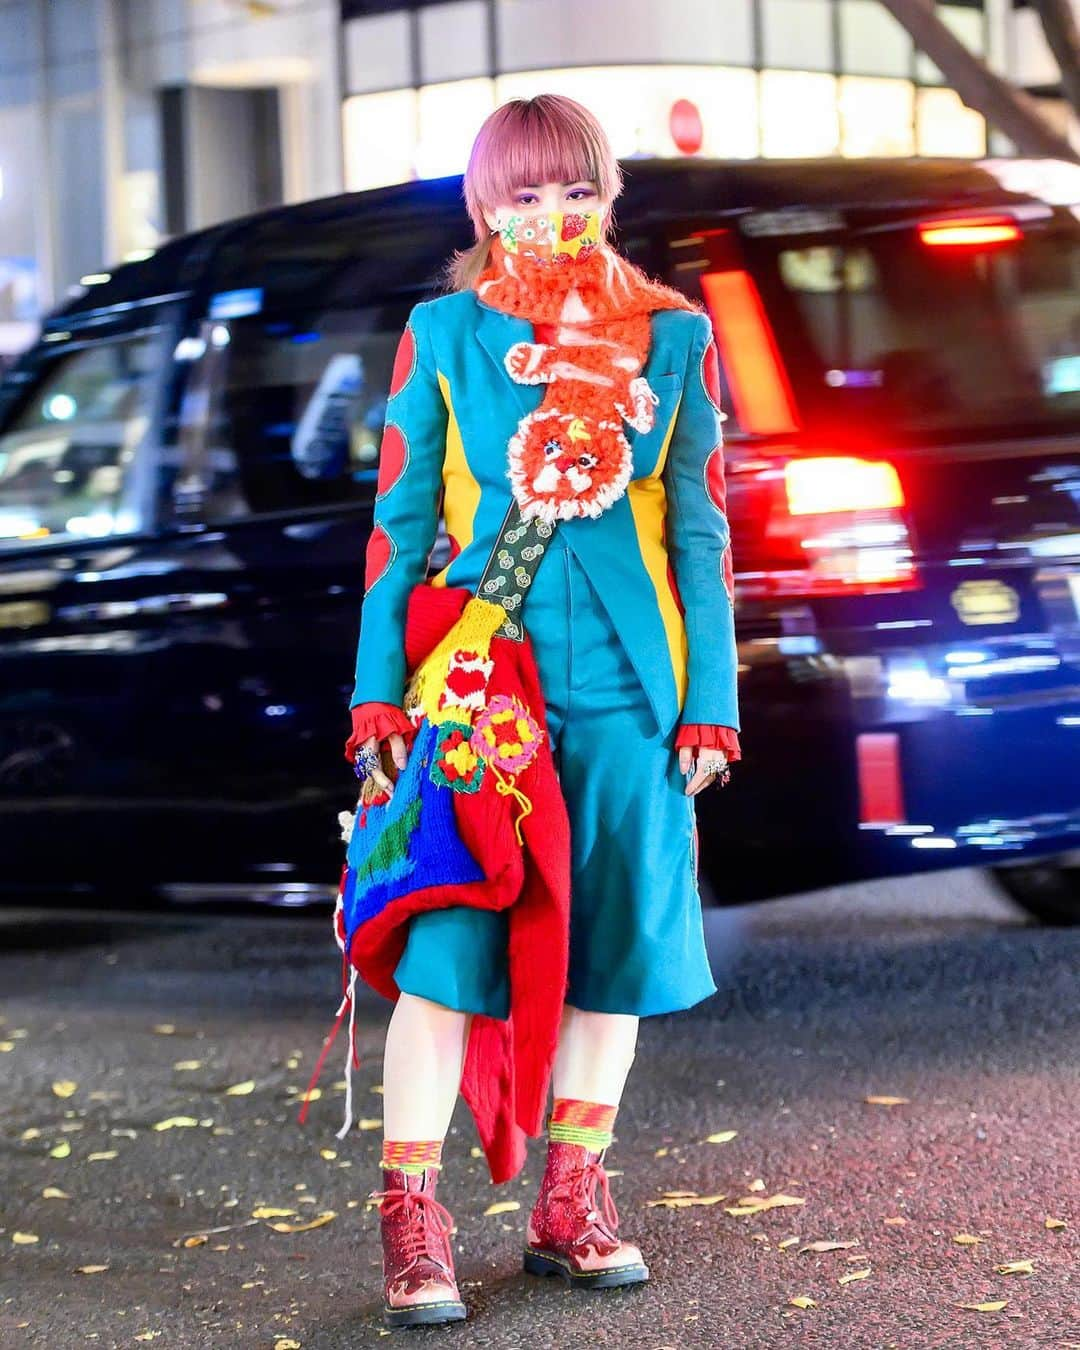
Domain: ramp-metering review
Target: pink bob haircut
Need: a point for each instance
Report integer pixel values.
(546, 139)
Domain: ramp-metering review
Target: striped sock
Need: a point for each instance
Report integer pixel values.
(576, 1122)
(411, 1155)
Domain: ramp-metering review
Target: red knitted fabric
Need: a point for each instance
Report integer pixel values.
(569, 457)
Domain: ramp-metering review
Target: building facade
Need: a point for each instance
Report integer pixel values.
(124, 122)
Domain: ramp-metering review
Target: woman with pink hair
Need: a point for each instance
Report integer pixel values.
(564, 407)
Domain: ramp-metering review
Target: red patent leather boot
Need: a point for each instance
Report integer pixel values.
(569, 1234)
(419, 1286)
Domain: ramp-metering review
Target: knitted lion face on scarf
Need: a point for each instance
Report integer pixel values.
(562, 465)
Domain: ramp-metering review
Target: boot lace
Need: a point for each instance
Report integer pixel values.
(425, 1219)
(580, 1189)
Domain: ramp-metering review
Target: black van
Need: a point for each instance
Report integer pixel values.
(188, 460)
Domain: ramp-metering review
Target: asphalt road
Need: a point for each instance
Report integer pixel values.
(931, 990)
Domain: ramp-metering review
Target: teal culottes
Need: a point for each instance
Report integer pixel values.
(636, 938)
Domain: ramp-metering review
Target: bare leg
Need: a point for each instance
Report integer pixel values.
(423, 1059)
(595, 1054)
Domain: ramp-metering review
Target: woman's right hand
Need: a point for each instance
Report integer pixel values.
(378, 779)
(390, 744)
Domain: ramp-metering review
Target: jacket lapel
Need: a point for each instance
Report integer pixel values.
(498, 332)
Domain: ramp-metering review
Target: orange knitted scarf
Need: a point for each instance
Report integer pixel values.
(570, 456)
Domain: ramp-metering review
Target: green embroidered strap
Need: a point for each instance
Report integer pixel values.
(509, 573)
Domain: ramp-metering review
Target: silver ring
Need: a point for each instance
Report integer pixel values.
(714, 765)
(366, 761)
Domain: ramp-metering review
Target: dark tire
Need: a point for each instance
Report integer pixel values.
(1047, 888)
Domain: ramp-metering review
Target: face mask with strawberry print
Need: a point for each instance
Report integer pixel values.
(551, 235)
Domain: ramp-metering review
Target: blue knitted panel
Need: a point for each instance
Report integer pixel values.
(436, 855)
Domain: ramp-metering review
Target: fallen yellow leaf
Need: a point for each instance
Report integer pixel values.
(65, 1088)
(476, 1152)
(887, 1101)
(684, 1201)
(90, 1270)
(60, 1150)
(241, 1089)
(6, 1046)
(105, 1156)
(724, 1137)
(147, 1335)
(32, 1133)
(787, 1242)
(369, 1123)
(801, 1301)
(1015, 1268)
(175, 1122)
(1054, 1223)
(661, 1153)
(853, 1275)
(985, 1307)
(286, 1345)
(165, 1029)
(185, 1064)
(748, 1205)
(328, 1153)
(896, 1221)
(305, 1227)
(966, 1239)
(828, 1246)
(268, 1212)
(24, 1239)
(196, 1240)
(503, 1207)
(54, 1193)
(756, 1185)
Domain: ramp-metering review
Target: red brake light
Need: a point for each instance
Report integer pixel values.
(830, 525)
(974, 232)
(841, 483)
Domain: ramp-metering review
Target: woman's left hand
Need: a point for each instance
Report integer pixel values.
(693, 757)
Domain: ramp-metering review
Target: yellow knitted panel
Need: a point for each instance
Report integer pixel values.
(472, 631)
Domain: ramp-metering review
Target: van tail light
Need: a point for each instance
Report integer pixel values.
(828, 525)
(970, 232)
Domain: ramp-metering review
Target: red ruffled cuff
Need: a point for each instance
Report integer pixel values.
(378, 720)
(711, 737)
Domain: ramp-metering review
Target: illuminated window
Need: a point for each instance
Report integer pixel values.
(450, 117)
(797, 34)
(799, 114)
(871, 40)
(549, 33)
(380, 138)
(944, 126)
(634, 104)
(453, 40)
(877, 117)
(969, 26)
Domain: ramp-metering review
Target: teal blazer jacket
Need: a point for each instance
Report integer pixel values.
(660, 556)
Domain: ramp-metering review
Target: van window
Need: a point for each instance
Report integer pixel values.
(880, 325)
(67, 458)
(294, 406)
